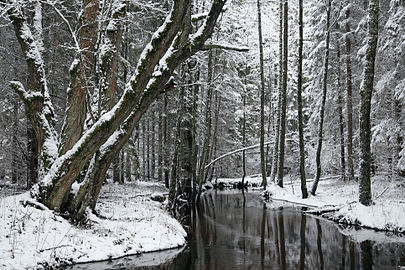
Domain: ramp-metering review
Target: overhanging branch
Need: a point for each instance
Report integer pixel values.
(225, 47)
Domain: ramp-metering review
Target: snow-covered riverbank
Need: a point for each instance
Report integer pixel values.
(129, 223)
(340, 201)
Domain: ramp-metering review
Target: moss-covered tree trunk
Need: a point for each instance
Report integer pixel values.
(172, 44)
(365, 105)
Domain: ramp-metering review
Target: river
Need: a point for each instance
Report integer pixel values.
(235, 231)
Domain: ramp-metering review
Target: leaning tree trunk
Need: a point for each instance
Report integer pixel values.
(262, 86)
(110, 132)
(322, 113)
(304, 190)
(365, 105)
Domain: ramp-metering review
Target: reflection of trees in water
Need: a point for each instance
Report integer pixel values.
(241, 232)
(302, 237)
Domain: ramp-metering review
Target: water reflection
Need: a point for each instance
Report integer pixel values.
(238, 231)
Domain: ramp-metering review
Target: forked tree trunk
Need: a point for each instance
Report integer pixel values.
(108, 134)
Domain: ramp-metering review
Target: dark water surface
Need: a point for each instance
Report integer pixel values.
(230, 232)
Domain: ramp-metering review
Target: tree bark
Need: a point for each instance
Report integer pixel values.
(341, 121)
(262, 86)
(324, 93)
(304, 190)
(365, 105)
(349, 99)
(141, 92)
(283, 115)
(82, 76)
(274, 165)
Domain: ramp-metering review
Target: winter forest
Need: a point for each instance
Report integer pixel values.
(133, 126)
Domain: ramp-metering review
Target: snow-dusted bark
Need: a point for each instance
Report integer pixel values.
(38, 106)
(170, 45)
(365, 105)
(81, 76)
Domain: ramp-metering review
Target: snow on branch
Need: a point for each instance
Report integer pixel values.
(225, 47)
(234, 152)
(199, 17)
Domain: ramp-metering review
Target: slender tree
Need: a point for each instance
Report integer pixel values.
(365, 105)
(262, 86)
(324, 93)
(283, 115)
(341, 120)
(349, 98)
(304, 190)
(280, 83)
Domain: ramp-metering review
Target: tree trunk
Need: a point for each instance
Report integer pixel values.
(365, 105)
(109, 133)
(324, 93)
(349, 99)
(208, 118)
(341, 121)
(274, 165)
(82, 76)
(14, 143)
(160, 143)
(166, 142)
(304, 190)
(283, 115)
(153, 152)
(262, 86)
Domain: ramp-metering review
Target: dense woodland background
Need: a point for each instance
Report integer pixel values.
(215, 107)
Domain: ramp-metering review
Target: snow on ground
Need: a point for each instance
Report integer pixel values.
(129, 223)
(340, 200)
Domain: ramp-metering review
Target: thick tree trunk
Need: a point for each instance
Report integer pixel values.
(324, 93)
(304, 190)
(365, 105)
(82, 76)
(109, 133)
(37, 103)
(208, 125)
(283, 116)
(349, 99)
(262, 86)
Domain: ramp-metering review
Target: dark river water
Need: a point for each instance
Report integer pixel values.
(232, 231)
